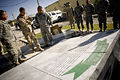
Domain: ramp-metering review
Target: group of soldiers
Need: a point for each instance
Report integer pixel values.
(89, 9)
(9, 40)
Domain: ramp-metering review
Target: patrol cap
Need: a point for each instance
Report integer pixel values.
(39, 7)
(67, 4)
(21, 9)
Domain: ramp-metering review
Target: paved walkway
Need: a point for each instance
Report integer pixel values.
(72, 59)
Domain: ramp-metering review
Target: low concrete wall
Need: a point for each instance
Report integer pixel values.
(61, 63)
(105, 68)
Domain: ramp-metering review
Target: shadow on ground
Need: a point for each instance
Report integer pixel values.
(95, 37)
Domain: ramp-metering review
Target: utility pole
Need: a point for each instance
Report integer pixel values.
(38, 2)
(13, 15)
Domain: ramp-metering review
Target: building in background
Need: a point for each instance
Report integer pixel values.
(59, 5)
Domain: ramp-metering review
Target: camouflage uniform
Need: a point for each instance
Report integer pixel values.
(8, 39)
(25, 24)
(89, 9)
(101, 10)
(44, 22)
(70, 15)
(78, 16)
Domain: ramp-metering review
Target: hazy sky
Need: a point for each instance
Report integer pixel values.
(12, 6)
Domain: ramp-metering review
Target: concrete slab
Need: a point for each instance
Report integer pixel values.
(72, 59)
(26, 72)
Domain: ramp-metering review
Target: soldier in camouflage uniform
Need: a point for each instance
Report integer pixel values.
(70, 15)
(44, 21)
(89, 9)
(8, 39)
(25, 24)
(78, 15)
(101, 10)
(115, 10)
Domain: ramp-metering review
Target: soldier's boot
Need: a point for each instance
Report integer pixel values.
(82, 28)
(39, 48)
(38, 45)
(88, 30)
(105, 28)
(22, 59)
(100, 30)
(91, 30)
(16, 62)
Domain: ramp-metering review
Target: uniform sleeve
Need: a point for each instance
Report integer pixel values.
(106, 6)
(22, 21)
(37, 19)
(82, 9)
(49, 19)
(29, 20)
(92, 6)
(75, 14)
(1, 31)
(72, 11)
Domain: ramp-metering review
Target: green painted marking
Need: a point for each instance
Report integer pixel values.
(101, 47)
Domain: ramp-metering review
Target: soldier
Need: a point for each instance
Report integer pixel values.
(115, 5)
(25, 24)
(78, 15)
(8, 39)
(89, 9)
(70, 15)
(44, 21)
(101, 10)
